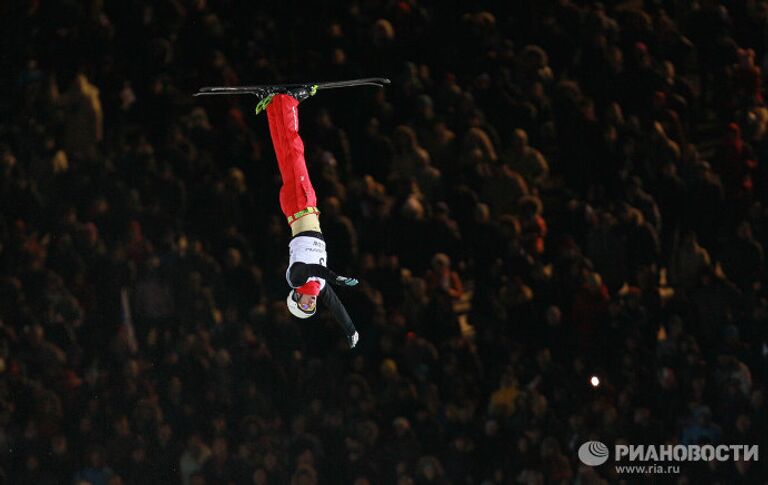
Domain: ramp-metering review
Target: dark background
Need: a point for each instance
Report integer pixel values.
(548, 190)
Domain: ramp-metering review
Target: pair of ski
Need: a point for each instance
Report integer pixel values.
(268, 89)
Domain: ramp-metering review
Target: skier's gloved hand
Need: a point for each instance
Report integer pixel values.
(345, 281)
(353, 339)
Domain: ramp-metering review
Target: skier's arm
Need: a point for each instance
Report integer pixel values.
(300, 272)
(331, 300)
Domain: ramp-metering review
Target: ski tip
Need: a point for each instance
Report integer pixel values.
(375, 81)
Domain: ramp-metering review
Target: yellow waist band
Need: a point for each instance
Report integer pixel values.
(307, 222)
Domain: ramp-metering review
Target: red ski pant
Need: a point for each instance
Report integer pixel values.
(297, 196)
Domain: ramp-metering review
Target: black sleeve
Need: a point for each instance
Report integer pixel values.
(300, 272)
(329, 298)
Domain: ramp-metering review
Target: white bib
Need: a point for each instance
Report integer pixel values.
(308, 250)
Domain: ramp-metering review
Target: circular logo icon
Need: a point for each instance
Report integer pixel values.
(593, 453)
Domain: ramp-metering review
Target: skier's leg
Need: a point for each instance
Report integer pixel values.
(297, 196)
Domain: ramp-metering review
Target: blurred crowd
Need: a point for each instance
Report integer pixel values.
(549, 190)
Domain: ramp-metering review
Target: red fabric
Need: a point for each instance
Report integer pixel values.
(311, 288)
(297, 192)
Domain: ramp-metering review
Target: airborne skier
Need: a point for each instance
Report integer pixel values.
(307, 273)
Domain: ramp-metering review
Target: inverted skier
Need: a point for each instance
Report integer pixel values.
(307, 273)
